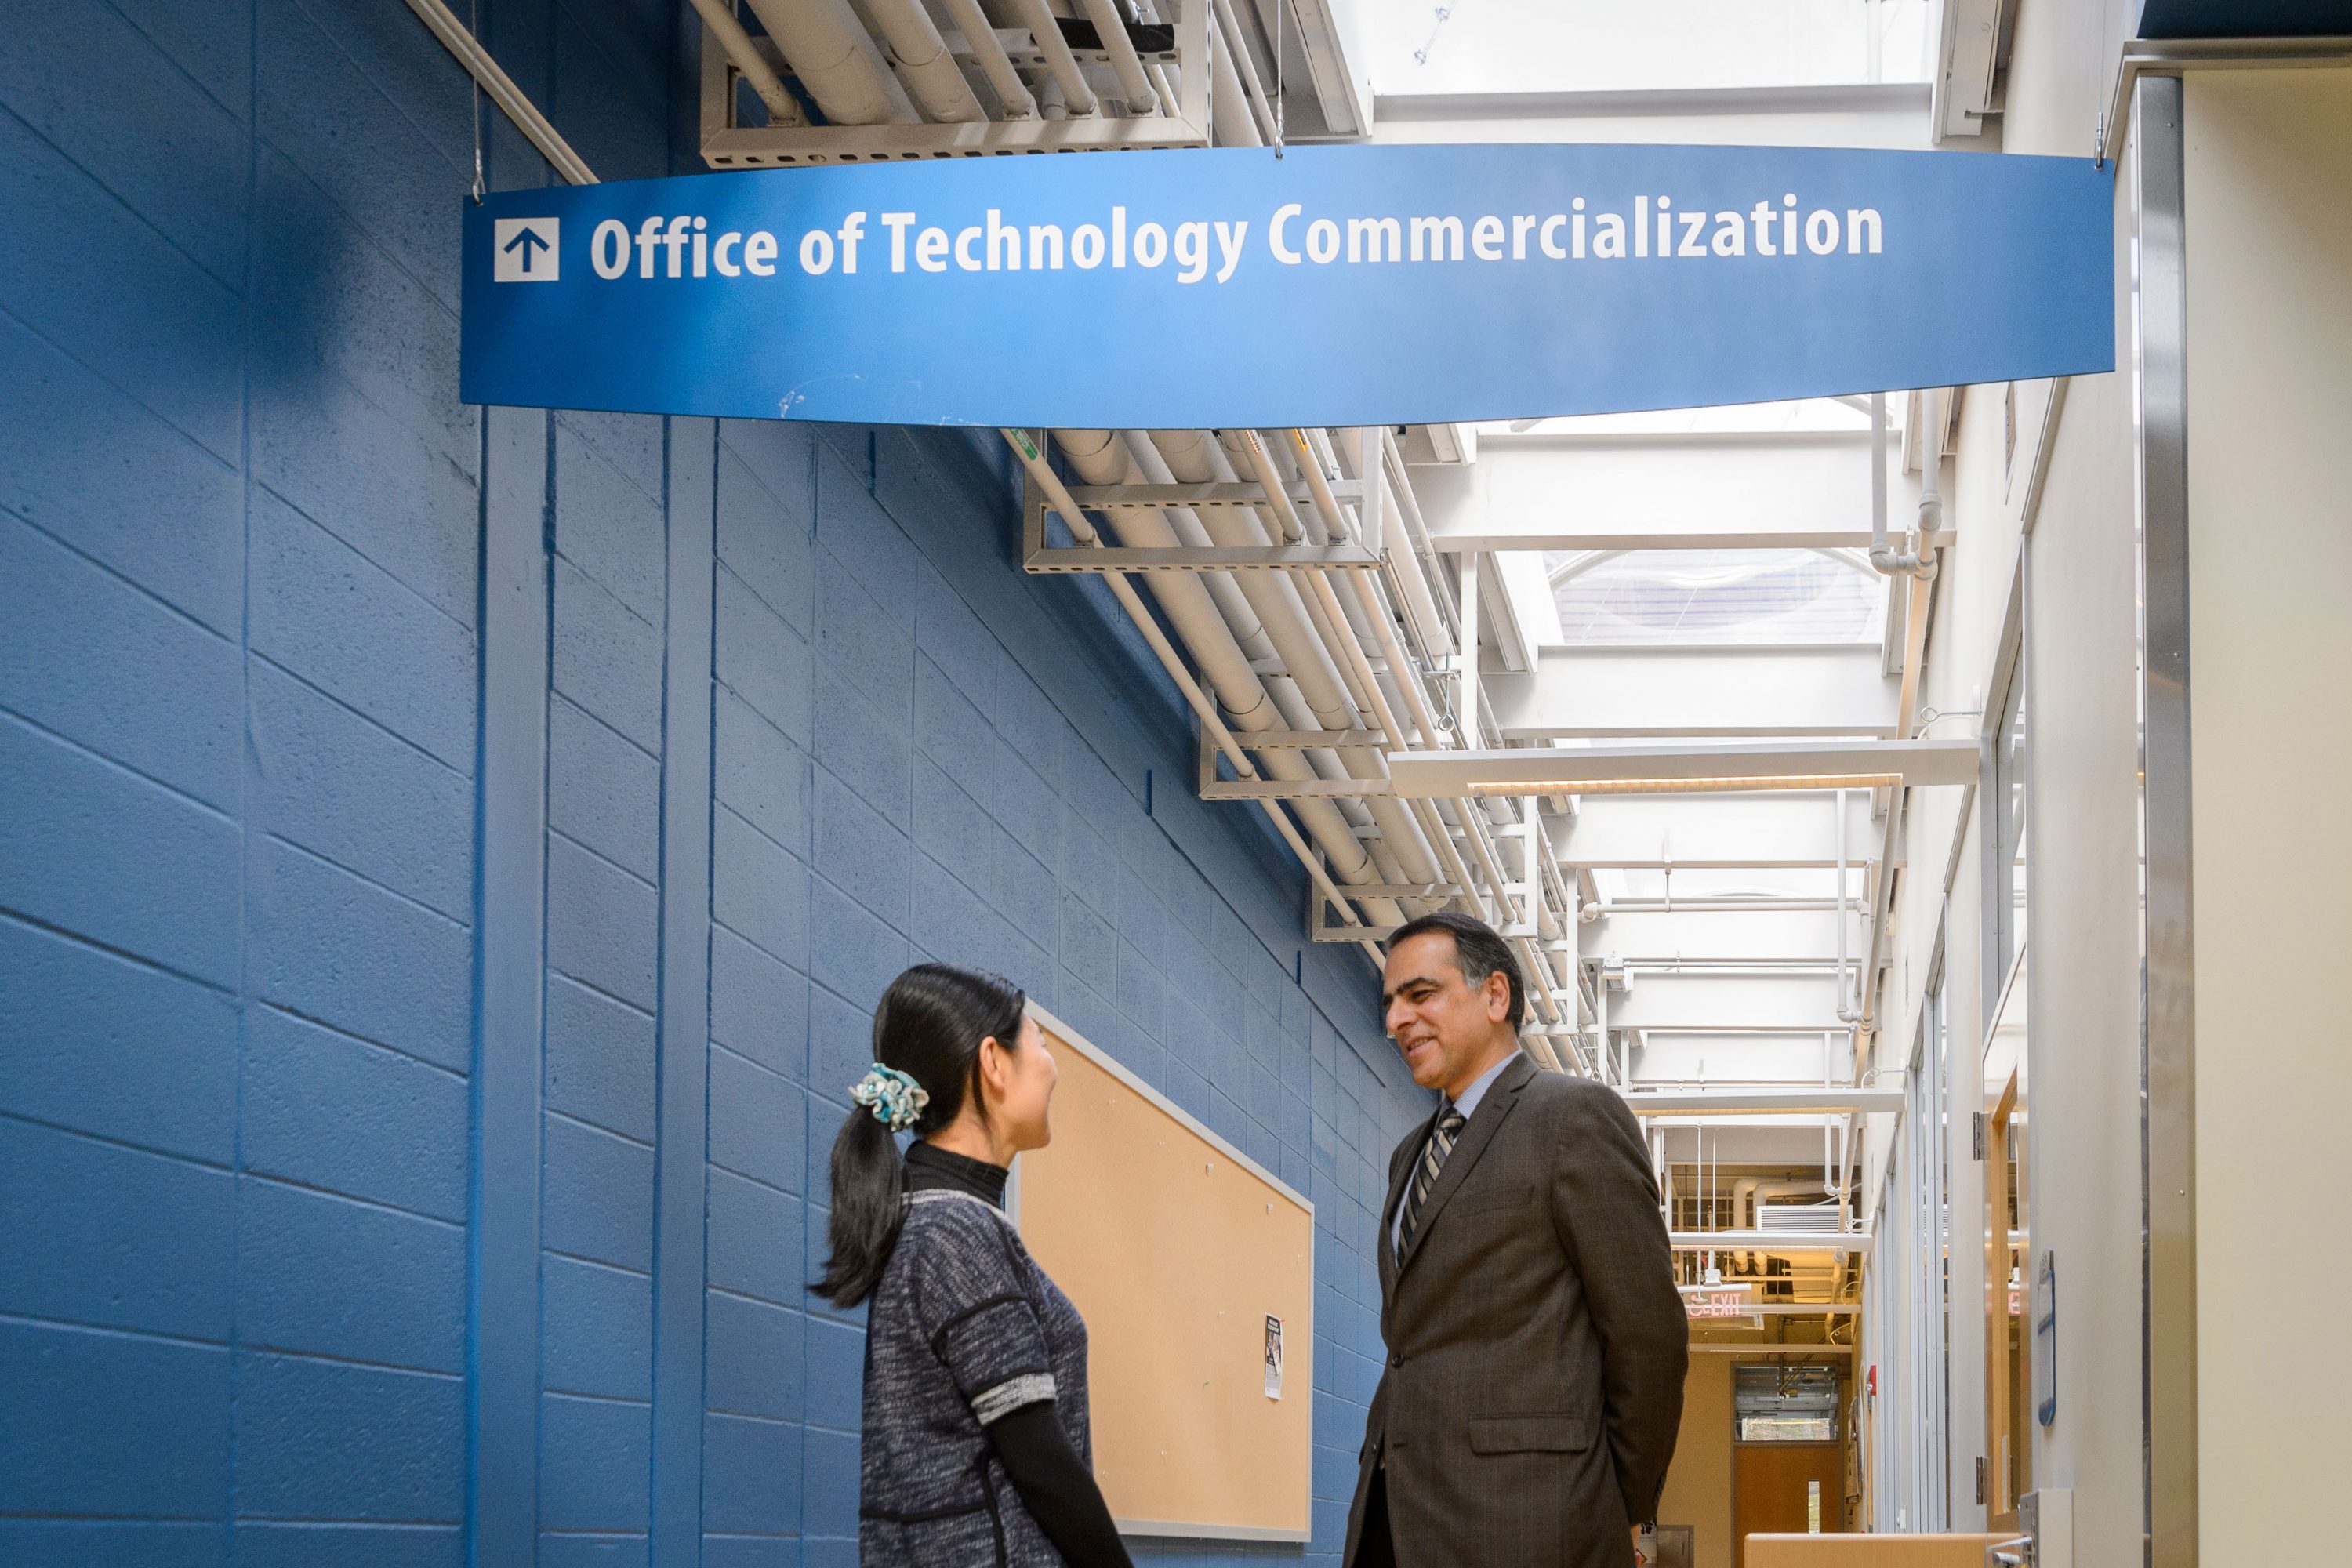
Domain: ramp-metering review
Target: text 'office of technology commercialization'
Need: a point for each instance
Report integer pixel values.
(1440, 282)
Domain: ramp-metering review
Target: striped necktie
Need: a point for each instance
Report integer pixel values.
(1432, 1160)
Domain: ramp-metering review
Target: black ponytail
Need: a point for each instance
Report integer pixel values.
(928, 1026)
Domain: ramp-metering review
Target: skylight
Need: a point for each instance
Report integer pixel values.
(1578, 46)
(1782, 596)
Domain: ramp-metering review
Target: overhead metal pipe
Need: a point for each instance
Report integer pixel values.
(1211, 720)
(1103, 460)
(1077, 97)
(784, 109)
(979, 36)
(1111, 28)
(1189, 457)
(1920, 560)
(932, 77)
(829, 49)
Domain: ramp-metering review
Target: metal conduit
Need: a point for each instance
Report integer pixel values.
(829, 50)
(782, 108)
(979, 37)
(931, 75)
(1101, 458)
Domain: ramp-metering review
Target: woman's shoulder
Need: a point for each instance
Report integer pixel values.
(956, 1223)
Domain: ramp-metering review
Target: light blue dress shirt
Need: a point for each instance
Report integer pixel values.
(1468, 1106)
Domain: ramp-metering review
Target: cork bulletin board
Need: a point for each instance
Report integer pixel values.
(1178, 1249)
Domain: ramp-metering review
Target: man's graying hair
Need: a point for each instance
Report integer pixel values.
(1478, 950)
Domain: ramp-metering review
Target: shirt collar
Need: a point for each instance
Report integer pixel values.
(1468, 1104)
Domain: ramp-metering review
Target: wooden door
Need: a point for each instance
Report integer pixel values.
(2009, 1434)
(1771, 1490)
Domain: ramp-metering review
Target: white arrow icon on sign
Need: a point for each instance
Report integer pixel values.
(524, 250)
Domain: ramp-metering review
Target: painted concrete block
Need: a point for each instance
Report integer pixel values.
(861, 852)
(117, 1237)
(836, 1358)
(388, 176)
(324, 942)
(88, 656)
(750, 1476)
(94, 1042)
(759, 1007)
(752, 1359)
(48, 400)
(351, 792)
(97, 851)
(329, 1110)
(763, 659)
(760, 773)
(851, 952)
(754, 1239)
(603, 789)
(604, 925)
(594, 1459)
(384, 488)
(328, 614)
(119, 1542)
(600, 1060)
(596, 1329)
(108, 1404)
(762, 544)
(318, 1439)
(151, 321)
(285, 1543)
(757, 1125)
(329, 1276)
(607, 658)
(607, 526)
(597, 1195)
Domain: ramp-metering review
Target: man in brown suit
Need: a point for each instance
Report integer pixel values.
(1537, 1343)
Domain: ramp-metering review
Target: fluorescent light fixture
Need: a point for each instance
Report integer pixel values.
(1686, 787)
(1683, 768)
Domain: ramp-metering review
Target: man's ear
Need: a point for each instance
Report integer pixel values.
(1498, 997)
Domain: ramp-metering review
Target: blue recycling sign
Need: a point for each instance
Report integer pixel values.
(1336, 286)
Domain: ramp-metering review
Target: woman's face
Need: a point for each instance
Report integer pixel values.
(1020, 1087)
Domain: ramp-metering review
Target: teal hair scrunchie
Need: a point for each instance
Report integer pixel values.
(895, 1100)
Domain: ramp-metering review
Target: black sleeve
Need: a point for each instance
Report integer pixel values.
(1057, 1489)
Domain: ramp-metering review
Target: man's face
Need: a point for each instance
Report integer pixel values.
(1446, 1027)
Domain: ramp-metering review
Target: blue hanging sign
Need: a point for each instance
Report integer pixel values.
(1340, 285)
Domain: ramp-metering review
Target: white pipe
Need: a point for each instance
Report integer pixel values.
(1231, 122)
(1111, 28)
(828, 50)
(1102, 458)
(1188, 457)
(1231, 58)
(1247, 447)
(931, 74)
(1050, 482)
(979, 37)
(1920, 560)
(784, 109)
(1076, 97)
(1846, 1013)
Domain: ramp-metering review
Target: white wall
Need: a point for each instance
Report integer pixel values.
(2083, 1034)
(2269, 163)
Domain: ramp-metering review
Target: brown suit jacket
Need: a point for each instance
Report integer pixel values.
(1537, 1343)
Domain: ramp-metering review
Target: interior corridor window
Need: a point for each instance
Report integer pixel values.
(2011, 751)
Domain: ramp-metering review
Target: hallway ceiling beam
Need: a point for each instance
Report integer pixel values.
(1695, 690)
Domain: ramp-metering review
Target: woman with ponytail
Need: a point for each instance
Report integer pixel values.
(976, 1447)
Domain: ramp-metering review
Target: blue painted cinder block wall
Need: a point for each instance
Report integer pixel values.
(448, 856)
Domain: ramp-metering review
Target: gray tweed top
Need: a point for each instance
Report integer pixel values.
(965, 1329)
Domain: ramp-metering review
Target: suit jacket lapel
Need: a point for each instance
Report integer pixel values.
(1399, 1172)
(1477, 1133)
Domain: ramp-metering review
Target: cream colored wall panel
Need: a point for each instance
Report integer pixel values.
(2269, 248)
